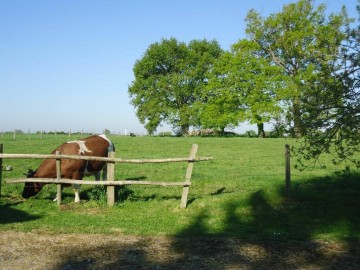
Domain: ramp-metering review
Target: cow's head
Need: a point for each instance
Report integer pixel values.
(31, 188)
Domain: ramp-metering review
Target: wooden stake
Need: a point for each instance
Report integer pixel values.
(110, 190)
(58, 176)
(188, 176)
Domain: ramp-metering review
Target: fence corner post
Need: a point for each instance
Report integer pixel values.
(287, 169)
(110, 189)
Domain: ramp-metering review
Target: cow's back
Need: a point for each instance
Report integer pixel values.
(75, 169)
(99, 147)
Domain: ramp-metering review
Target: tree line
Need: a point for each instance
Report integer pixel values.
(298, 69)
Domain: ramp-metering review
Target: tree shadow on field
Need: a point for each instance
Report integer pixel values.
(8, 214)
(116, 256)
(280, 235)
(258, 233)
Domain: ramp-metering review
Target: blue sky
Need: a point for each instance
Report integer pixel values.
(67, 64)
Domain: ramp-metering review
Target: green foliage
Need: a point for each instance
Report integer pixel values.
(106, 132)
(98, 193)
(335, 109)
(242, 88)
(219, 105)
(166, 134)
(298, 68)
(318, 56)
(251, 133)
(168, 80)
(306, 45)
(123, 193)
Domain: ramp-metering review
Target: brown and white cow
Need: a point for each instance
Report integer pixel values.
(96, 145)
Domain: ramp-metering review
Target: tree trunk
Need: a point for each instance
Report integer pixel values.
(298, 128)
(261, 131)
(260, 126)
(222, 131)
(184, 129)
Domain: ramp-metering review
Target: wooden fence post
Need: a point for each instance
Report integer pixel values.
(188, 176)
(1, 151)
(58, 177)
(287, 169)
(110, 190)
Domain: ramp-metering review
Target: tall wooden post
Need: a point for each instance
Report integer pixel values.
(1, 151)
(188, 176)
(287, 169)
(110, 190)
(58, 177)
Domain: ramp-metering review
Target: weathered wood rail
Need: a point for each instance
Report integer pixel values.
(110, 182)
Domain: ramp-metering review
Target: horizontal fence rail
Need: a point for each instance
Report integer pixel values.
(106, 159)
(89, 182)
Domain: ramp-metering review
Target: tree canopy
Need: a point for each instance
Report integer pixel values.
(332, 112)
(305, 44)
(242, 88)
(169, 78)
(318, 56)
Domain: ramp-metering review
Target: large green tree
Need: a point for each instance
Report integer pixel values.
(242, 88)
(169, 79)
(304, 43)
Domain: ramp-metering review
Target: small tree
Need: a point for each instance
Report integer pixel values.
(106, 131)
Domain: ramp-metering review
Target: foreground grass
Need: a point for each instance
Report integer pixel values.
(239, 194)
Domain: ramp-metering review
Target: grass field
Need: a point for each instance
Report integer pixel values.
(238, 194)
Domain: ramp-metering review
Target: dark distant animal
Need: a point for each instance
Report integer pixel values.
(96, 145)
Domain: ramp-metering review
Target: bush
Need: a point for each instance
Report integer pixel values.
(251, 133)
(166, 134)
(98, 193)
(122, 193)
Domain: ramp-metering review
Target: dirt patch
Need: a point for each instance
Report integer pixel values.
(84, 251)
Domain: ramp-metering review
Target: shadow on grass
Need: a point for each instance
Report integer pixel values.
(219, 191)
(138, 178)
(10, 215)
(282, 234)
(269, 235)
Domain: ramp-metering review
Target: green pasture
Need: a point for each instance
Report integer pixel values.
(238, 194)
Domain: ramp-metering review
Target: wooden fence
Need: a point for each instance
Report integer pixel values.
(110, 181)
